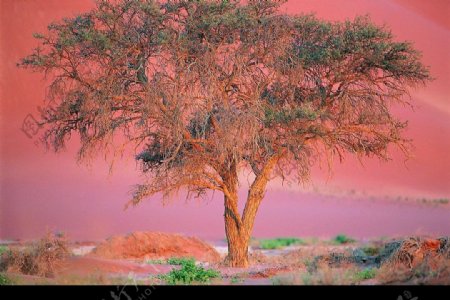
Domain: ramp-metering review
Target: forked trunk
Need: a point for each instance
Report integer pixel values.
(238, 230)
(237, 237)
(237, 240)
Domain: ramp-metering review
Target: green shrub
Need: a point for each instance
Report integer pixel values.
(279, 243)
(342, 239)
(3, 249)
(4, 280)
(188, 273)
(368, 273)
(179, 261)
(371, 251)
(236, 280)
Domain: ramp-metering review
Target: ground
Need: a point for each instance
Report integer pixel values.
(282, 261)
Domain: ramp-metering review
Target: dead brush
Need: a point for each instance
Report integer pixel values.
(414, 250)
(417, 260)
(324, 274)
(41, 258)
(430, 271)
(257, 257)
(444, 247)
(406, 253)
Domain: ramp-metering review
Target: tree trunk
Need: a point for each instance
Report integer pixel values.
(238, 230)
(234, 230)
(236, 238)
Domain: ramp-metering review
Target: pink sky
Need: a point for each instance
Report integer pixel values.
(39, 190)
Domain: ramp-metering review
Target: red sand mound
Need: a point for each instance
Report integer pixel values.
(155, 245)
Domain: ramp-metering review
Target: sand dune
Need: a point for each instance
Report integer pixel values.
(39, 189)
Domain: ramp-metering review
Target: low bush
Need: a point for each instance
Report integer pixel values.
(3, 249)
(342, 239)
(371, 250)
(188, 273)
(40, 258)
(280, 242)
(4, 280)
(365, 274)
(178, 261)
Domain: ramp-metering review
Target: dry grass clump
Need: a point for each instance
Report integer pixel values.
(323, 274)
(293, 258)
(327, 275)
(444, 247)
(406, 253)
(257, 257)
(414, 250)
(419, 261)
(302, 257)
(41, 258)
(414, 260)
(429, 271)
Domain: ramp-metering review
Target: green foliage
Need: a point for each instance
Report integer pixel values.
(285, 116)
(122, 40)
(342, 239)
(327, 43)
(371, 250)
(4, 280)
(307, 279)
(367, 273)
(176, 261)
(188, 273)
(279, 243)
(179, 261)
(310, 264)
(236, 279)
(3, 249)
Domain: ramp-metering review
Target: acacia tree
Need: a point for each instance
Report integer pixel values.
(204, 89)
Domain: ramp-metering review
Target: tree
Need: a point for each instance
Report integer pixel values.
(204, 89)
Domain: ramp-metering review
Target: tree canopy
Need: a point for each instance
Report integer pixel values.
(203, 89)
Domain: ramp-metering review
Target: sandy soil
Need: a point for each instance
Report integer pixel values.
(317, 262)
